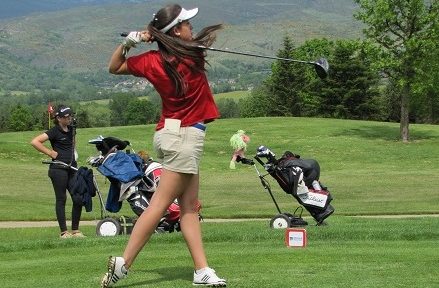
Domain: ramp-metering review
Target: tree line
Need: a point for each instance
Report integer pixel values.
(391, 75)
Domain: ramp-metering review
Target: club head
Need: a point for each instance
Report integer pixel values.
(264, 152)
(321, 66)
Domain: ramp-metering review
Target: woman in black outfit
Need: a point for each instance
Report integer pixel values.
(62, 140)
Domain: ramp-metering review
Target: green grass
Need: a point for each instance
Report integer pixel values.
(100, 102)
(350, 252)
(368, 170)
(235, 95)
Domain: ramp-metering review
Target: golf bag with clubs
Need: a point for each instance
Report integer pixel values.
(133, 179)
(300, 178)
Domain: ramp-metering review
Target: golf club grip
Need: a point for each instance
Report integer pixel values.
(124, 34)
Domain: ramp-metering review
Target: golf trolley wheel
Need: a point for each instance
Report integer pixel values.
(280, 221)
(108, 227)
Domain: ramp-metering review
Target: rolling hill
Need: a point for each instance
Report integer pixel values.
(14, 8)
(79, 39)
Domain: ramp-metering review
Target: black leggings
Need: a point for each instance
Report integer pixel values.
(62, 180)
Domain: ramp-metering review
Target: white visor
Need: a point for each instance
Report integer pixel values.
(183, 16)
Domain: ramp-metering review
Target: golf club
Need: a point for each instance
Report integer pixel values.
(321, 65)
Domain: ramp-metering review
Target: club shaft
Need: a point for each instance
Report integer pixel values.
(257, 55)
(124, 34)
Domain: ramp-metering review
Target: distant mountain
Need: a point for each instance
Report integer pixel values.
(82, 38)
(18, 8)
(79, 35)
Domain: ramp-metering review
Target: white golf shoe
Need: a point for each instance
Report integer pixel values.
(208, 277)
(116, 271)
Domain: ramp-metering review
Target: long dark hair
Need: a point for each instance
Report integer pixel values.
(174, 50)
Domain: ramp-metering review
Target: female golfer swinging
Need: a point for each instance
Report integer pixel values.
(177, 72)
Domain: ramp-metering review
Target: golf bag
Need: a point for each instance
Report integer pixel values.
(133, 179)
(296, 177)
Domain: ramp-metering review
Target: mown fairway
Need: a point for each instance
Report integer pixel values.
(366, 167)
(368, 170)
(349, 252)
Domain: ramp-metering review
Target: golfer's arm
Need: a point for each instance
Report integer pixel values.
(37, 143)
(118, 62)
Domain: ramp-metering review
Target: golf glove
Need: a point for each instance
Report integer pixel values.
(131, 40)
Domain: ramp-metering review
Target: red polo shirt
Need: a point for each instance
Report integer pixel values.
(196, 105)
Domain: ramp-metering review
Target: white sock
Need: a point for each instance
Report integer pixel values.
(199, 271)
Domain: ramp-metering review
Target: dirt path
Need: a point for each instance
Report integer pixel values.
(31, 224)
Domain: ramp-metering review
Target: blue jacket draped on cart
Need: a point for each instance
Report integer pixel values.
(120, 167)
(83, 188)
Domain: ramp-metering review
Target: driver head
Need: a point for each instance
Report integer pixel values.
(322, 66)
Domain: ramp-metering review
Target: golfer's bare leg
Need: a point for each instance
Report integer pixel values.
(171, 186)
(190, 223)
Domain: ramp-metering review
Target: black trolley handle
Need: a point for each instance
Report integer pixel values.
(265, 183)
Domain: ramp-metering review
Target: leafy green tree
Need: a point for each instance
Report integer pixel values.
(82, 118)
(21, 119)
(284, 83)
(309, 90)
(118, 104)
(351, 92)
(404, 29)
(228, 108)
(391, 97)
(426, 102)
(140, 112)
(98, 114)
(257, 104)
(5, 111)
